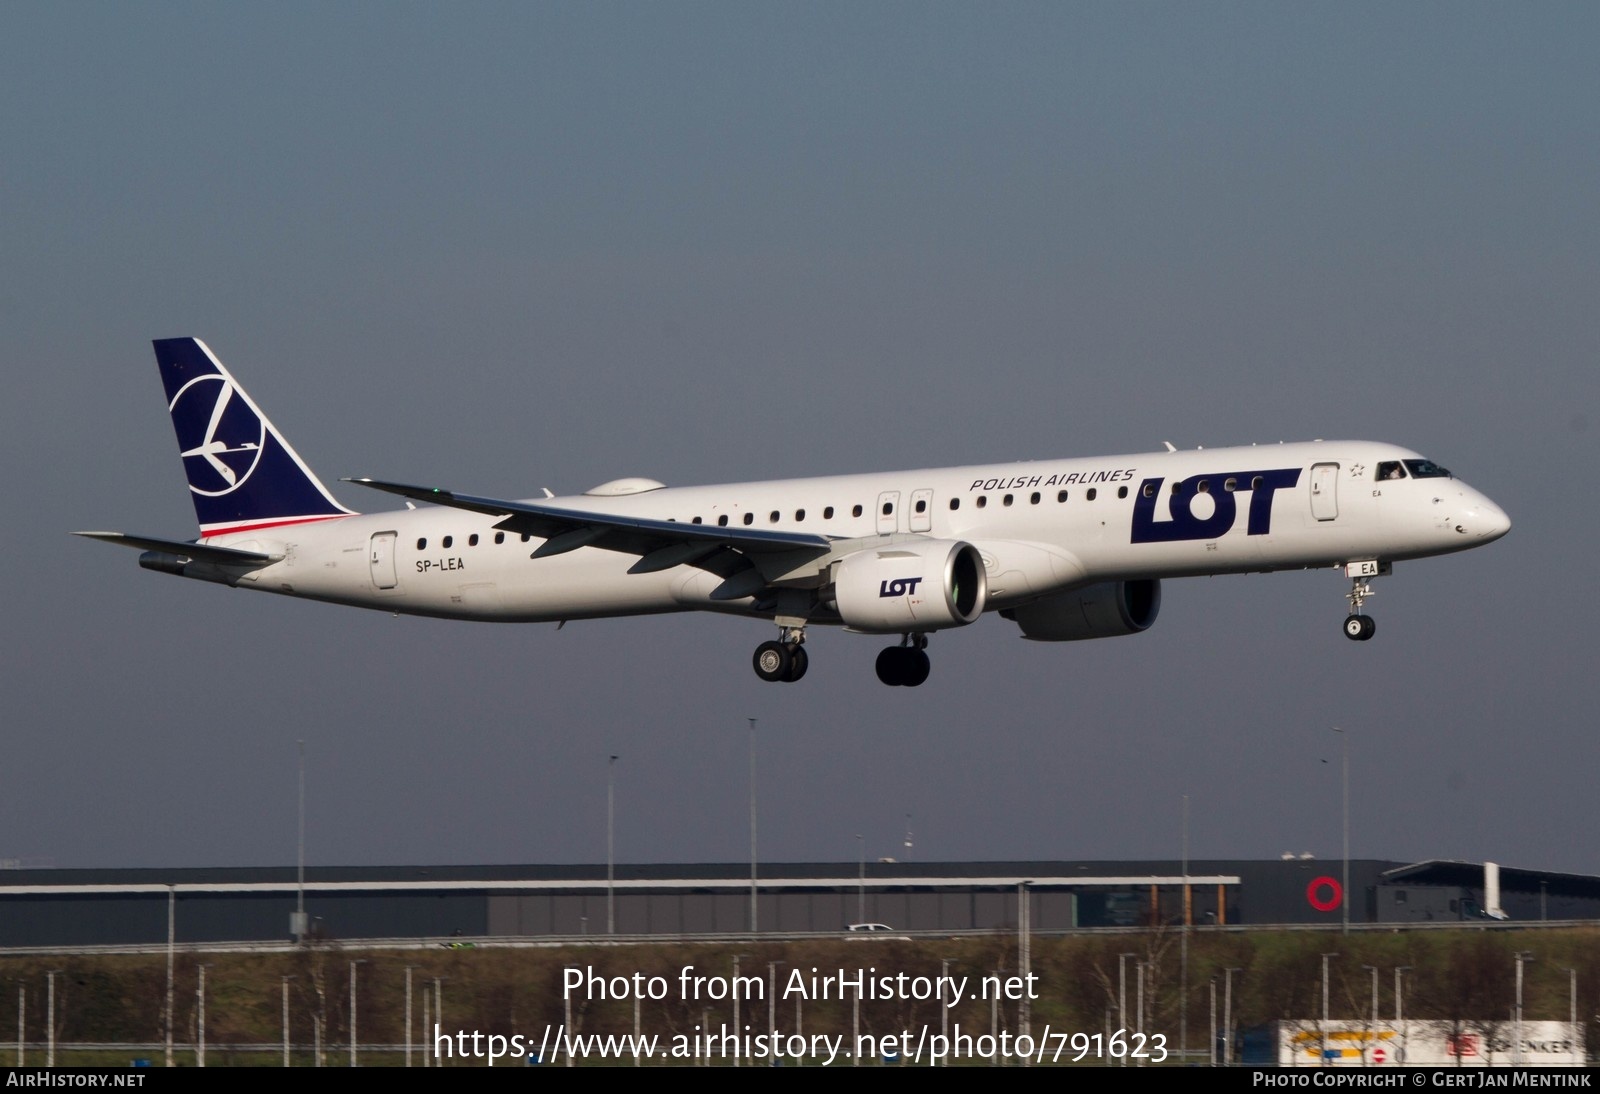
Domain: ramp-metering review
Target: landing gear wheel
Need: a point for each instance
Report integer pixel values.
(774, 661)
(890, 666)
(917, 667)
(1359, 628)
(799, 661)
(903, 666)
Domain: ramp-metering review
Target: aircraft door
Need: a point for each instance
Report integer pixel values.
(1325, 491)
(888, 518)
(380, 555)
(922, 510)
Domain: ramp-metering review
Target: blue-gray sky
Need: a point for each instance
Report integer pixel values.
(500, 247)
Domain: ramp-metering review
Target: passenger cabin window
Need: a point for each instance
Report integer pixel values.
(1061, 495)
(1007, 500)
(696, 520)
(827, 514)
(1033, 499)
(1148, 490)
(774, 517)
(422, 544)
(526, 537)
(799, 514)
(1391, 469)
(1205, 486)
(1122, 491)
(749, 518)
(955, 503)
(448, 540)
(472, 540)
(499, 537)
(983, 499)
(1255, 483)
(722, 521)
(855, 511)
(1091, 493)
(1230, 485)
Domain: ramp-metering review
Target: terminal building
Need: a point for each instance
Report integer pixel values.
(135, 907)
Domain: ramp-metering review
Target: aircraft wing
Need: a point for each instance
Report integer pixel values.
(661, 544)
(195, 552)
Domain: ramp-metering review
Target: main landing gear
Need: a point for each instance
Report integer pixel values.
(905, 665)
(784, 660)
(1358, 627)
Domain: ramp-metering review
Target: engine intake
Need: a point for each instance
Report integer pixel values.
(919, 586)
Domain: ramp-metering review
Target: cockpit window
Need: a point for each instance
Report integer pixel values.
(1427, 469)
(1391, 469)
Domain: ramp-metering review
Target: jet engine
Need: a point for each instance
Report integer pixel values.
(917, 586)
(1095, 611)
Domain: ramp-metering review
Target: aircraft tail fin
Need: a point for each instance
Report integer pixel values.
(242, 474)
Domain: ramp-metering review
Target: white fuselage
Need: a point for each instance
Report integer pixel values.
(1042, 528)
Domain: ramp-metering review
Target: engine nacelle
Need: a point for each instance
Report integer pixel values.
(916, 586)
(1095, 611)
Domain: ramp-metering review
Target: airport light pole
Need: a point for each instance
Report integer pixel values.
(1183, 962)
(1344, 878)
(1227, 1015)
(297, 924)
(1213, 1042)
(1372, 1017)
(611, 846)
(50, 1018)
(944, 1010)
(1523, 957)
(753, 910)
(409, 968)
(172, 934)
(438, 1009)
(861, 879)
(353, 1038)
(1323, 1032)
(772, 996)
(735, 983)
(1122, 996)
(286, 980)
(427, 1037)
(200, 1018)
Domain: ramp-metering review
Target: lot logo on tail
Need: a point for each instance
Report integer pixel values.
(221, 438)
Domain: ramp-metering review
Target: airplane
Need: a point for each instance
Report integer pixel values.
(1066, 549)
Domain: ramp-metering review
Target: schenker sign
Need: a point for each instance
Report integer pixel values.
(1485, 1043)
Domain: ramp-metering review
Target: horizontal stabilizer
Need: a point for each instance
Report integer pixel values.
(195, 552)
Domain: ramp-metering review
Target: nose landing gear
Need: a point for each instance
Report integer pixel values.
(1359, 627)
(905, 665)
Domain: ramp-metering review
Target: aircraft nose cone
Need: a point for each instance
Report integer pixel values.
(1484, 520)
(1495, 521)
